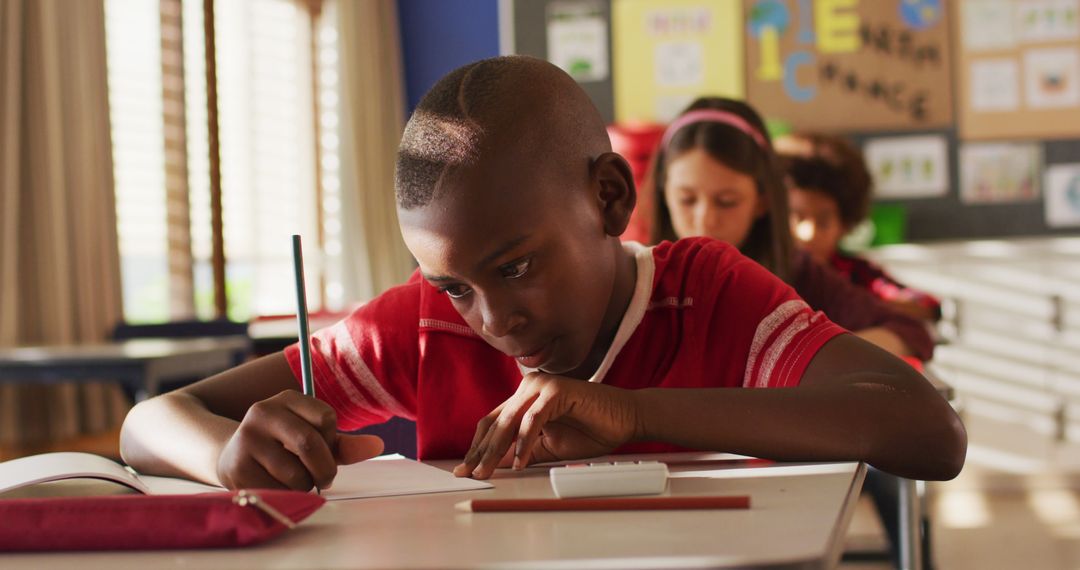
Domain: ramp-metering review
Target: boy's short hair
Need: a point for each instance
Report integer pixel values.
(849, 183)
(817, 174)
(466, 110)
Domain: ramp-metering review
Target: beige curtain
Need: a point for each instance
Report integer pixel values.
(59, 266)
(372, 96)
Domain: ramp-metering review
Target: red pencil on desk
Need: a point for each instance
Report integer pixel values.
(606, 504)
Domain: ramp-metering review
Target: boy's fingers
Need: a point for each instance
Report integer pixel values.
(308, 446)
(303, 440)
(501, 436)
(285, 468)
(354, 448)
(532, 423)
(315, 412)
(477, 447)
(248, 474)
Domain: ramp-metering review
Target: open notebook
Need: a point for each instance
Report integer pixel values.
(381, 477)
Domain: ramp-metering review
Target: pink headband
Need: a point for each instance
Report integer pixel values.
(714, 116)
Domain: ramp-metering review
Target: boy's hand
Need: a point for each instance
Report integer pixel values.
(290, 441)
(551, 418)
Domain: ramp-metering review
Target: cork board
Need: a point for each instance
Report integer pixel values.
(849, 65)
(1019, 69)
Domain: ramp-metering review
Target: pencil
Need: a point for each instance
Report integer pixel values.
(302, 318)
(606, 504)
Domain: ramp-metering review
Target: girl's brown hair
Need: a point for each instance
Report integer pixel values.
(769, 242)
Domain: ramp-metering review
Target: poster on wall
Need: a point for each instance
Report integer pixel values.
(666, 53)
(1019, 69)
(994, 173)
(842, 65)
(908, 167)
(577, 39)
(1062, 201)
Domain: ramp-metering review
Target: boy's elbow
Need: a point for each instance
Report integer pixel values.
(952, 451)
(939, 453)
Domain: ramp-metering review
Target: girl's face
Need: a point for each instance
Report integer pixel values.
(706, 198)
(815, 220)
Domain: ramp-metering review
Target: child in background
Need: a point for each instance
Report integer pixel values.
(830, 191)
(716, 175)
(530, 333)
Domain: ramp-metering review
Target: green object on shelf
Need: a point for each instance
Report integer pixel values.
(778, 128)
(890, 224)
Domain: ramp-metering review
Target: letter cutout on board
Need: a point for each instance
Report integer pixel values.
(791, 86)
(837, 25)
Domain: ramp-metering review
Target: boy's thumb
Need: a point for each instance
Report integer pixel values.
(353, 448)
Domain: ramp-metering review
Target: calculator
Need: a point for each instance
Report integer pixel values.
(618, 478)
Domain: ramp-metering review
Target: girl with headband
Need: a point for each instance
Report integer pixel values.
(716, 174)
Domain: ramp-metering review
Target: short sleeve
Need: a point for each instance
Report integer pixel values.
(761, 312)
(364, 366)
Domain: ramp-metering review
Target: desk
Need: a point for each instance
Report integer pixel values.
(798, 519)
(141, 364)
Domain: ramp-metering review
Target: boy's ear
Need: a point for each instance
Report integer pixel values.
(617, 195)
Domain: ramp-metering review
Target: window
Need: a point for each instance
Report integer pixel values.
(277, 88)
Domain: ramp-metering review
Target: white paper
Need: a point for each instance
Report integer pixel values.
(988, 24)
(999, 172)
(679, 64)
(1047, 20)
(995, 85)
(1062, 202)
(394, 475)
(577, 40)
(1052, 78)
(908, 167)
(35, 469)
(381, 477)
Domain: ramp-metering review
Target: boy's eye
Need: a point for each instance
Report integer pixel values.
(455, 291)
(687, 201)
(515, 269)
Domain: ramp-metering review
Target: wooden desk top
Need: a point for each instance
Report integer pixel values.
(798, 518)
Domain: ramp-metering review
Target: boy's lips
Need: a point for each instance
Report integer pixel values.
(536, 358)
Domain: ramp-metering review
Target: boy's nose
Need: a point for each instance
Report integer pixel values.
(500, 318)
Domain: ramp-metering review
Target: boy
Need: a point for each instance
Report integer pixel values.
(830, 194)
(531, 334)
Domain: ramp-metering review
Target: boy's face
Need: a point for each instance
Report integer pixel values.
(815, 220)
(523, 255)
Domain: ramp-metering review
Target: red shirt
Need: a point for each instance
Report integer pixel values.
(701, 316)
(856, 308)
(865, 273)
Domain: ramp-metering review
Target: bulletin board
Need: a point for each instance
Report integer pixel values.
(1019, 69)
(948, 216)
(557, 30)
(850, 65)
(666, 53)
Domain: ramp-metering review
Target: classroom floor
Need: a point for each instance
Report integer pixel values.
(992, 516)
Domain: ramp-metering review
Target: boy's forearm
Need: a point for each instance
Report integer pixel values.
(864, 422)
(175, 435)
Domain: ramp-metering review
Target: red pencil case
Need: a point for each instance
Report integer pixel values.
(152, 522)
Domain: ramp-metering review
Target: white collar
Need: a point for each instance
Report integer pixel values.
(635, 311)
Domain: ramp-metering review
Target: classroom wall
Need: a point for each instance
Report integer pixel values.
(901, 52)
(438, 36)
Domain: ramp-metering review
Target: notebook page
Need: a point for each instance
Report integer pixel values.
(35, 469)
(392, 475)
